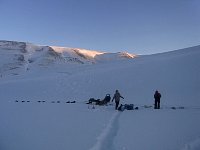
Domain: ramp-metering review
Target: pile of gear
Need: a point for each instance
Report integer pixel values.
(127, 107)
(107, 99)
(100, 102)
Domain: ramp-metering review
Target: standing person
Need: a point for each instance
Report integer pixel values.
(157, 97)
(117, 99)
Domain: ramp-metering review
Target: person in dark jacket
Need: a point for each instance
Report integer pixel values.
(157, 97)
(117, 97)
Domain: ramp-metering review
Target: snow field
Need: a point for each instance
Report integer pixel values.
(41, 126)
(164, 129)
(50, 126)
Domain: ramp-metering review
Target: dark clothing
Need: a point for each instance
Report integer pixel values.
(117, 97)
(116, 105)
(157, 104)
(157, 97)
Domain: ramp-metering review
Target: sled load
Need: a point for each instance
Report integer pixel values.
(100, 102)
(127, 107)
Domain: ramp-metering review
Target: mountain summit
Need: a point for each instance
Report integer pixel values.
(21, 56)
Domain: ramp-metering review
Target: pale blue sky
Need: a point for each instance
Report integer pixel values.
(137, 26)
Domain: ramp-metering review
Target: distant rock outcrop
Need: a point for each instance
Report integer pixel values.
(19, 57)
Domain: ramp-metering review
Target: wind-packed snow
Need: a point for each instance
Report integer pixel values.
(34, 114)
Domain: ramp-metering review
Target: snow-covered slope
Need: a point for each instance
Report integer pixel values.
(19, 57)
(41, 119)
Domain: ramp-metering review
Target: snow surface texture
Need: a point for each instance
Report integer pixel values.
(34, 114)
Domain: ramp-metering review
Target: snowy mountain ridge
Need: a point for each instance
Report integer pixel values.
(18, 57)
(36, 112)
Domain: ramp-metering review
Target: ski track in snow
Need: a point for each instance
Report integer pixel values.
(194, 145)
(106, 138)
